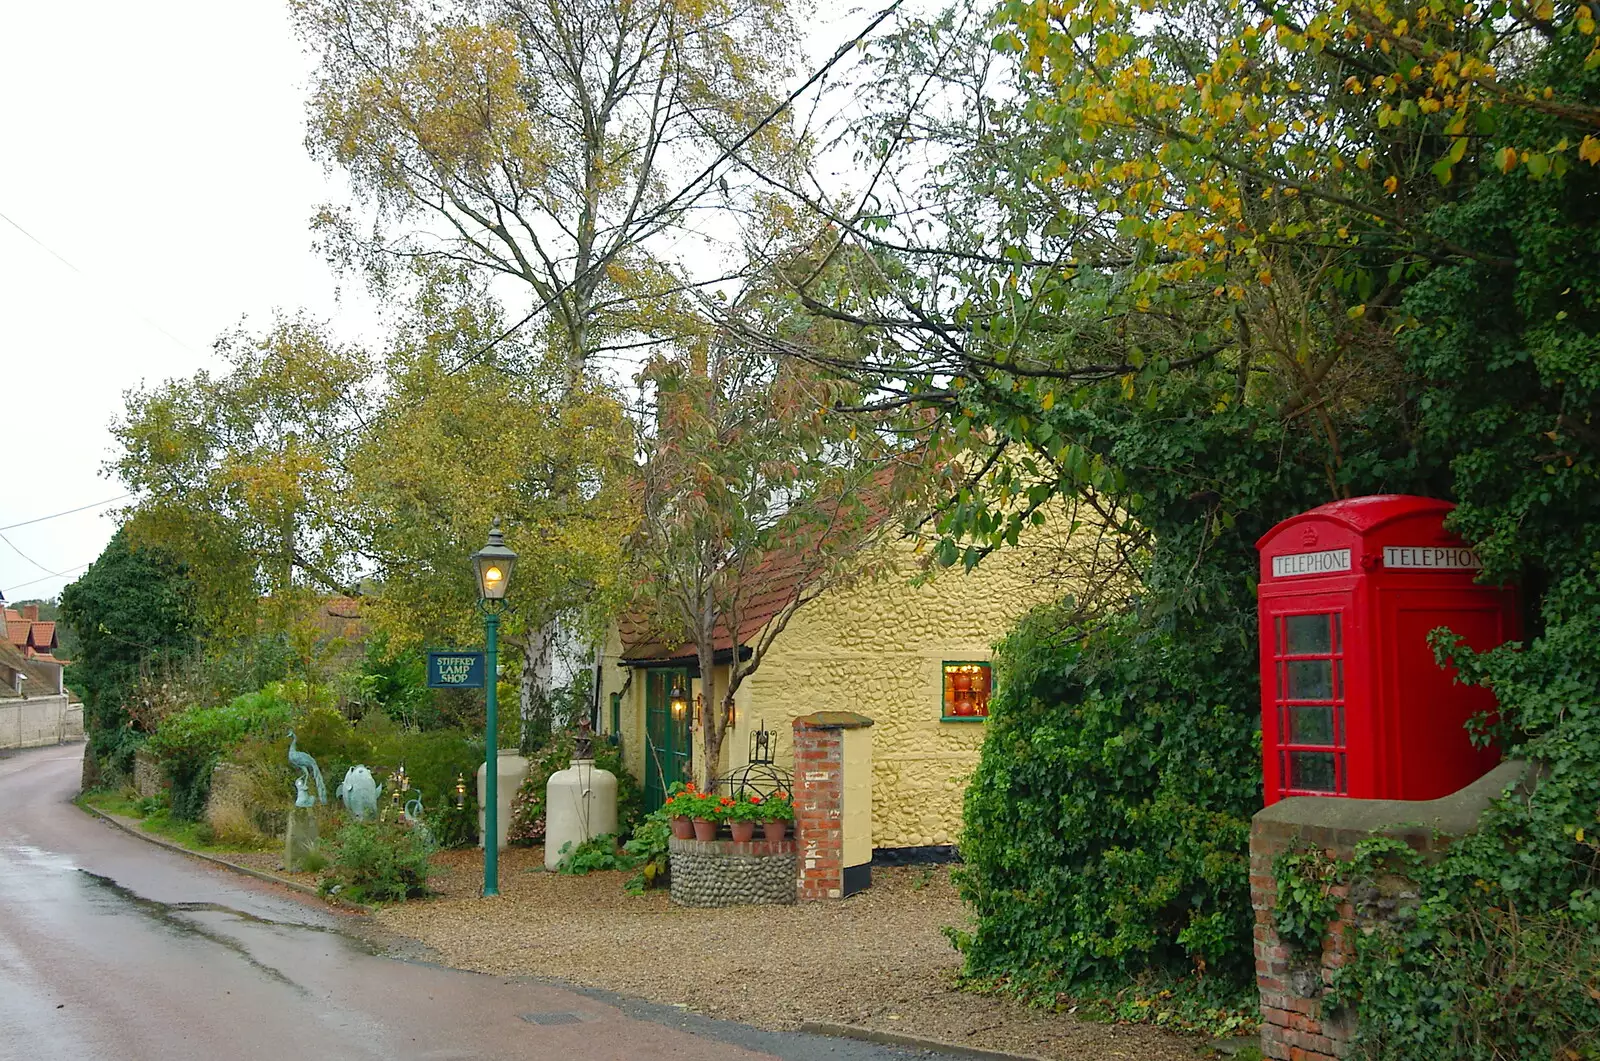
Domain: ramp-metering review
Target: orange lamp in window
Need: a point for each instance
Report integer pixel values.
(966, 690)
(1352, 701)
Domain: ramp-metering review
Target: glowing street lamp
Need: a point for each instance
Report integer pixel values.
(492, 566)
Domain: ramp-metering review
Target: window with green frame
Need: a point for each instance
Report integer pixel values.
(966, 686)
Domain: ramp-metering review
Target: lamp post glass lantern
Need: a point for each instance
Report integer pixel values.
(492, 566)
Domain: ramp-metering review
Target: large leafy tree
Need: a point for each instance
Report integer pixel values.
(243, 475)
(460, 439)
(548, 143)
(756, 499)
(134, 615)
(310, 468)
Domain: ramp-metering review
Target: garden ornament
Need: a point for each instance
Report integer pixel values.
(302, 794)
(359, 792)
(307, 767)
(412, 815)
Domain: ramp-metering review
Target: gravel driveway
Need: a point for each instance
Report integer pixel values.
(877, 959)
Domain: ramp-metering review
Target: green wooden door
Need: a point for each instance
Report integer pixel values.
(666, 753)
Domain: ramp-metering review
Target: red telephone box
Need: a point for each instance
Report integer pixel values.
(1352, 702)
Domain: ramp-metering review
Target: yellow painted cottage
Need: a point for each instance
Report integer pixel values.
(912, 657)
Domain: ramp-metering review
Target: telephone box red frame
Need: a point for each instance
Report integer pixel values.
(1352, 702)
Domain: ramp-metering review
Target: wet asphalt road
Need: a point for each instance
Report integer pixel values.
(112, 948)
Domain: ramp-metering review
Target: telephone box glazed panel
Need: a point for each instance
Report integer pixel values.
(1352, 702)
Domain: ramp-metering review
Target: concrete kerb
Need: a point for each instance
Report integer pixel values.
(133, 829)
(914, 1042)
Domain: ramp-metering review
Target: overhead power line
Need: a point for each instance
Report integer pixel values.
(25, 556)
(47, 578)
(58, 257)
(68, 512)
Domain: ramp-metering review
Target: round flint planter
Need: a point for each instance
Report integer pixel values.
(726, 873)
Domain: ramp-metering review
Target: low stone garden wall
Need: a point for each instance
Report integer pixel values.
(1296, 1023)
(148, 778)
(724, 873)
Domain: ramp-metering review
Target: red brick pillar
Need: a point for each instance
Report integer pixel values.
(1296, 1022)
(819, 807)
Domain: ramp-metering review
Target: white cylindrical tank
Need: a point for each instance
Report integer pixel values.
(580, 802)
(512, 769)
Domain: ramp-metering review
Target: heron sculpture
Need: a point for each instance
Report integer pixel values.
(307, 767)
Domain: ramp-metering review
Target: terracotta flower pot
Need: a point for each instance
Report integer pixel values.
(743, 832)
(705, 830)
(683, 828)
(774, 830)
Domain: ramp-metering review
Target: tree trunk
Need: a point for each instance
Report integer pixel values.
(537, 647)
(710, 732)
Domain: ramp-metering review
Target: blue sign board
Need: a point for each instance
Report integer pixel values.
(455, 670)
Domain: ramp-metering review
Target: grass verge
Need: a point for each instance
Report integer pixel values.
(156, 817)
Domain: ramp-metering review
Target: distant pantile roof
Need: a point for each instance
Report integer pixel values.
(28, 634)
(43, 673)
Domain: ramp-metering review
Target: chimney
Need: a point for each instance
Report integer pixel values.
(30, 612)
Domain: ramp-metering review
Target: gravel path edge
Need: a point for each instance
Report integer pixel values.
(873, 1035)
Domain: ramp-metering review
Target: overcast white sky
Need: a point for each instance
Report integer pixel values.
(154, 150)
(156, 147)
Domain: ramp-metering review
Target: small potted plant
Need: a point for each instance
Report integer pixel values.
(714, 811)
(777, 813)
(679, 805)
(704, 810)
(742, 817)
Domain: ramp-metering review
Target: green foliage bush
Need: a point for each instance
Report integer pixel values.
(133, 612)
(596, 854)
(1108, 822)
(190, 742)
(1501, 956)
(454, 826)
(396, 682)
(251, 732)
(377, 862)
(647, 849)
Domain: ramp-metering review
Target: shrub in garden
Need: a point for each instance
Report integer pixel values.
(1107, 825)
(433, 760)
(190, 742)
(377, 862)
(598, 853)
(648, 851)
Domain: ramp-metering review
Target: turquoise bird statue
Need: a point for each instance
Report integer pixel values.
(308, 768)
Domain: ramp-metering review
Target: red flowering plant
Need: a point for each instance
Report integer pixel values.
(751, 808)
(686, 801)
(778, 807)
